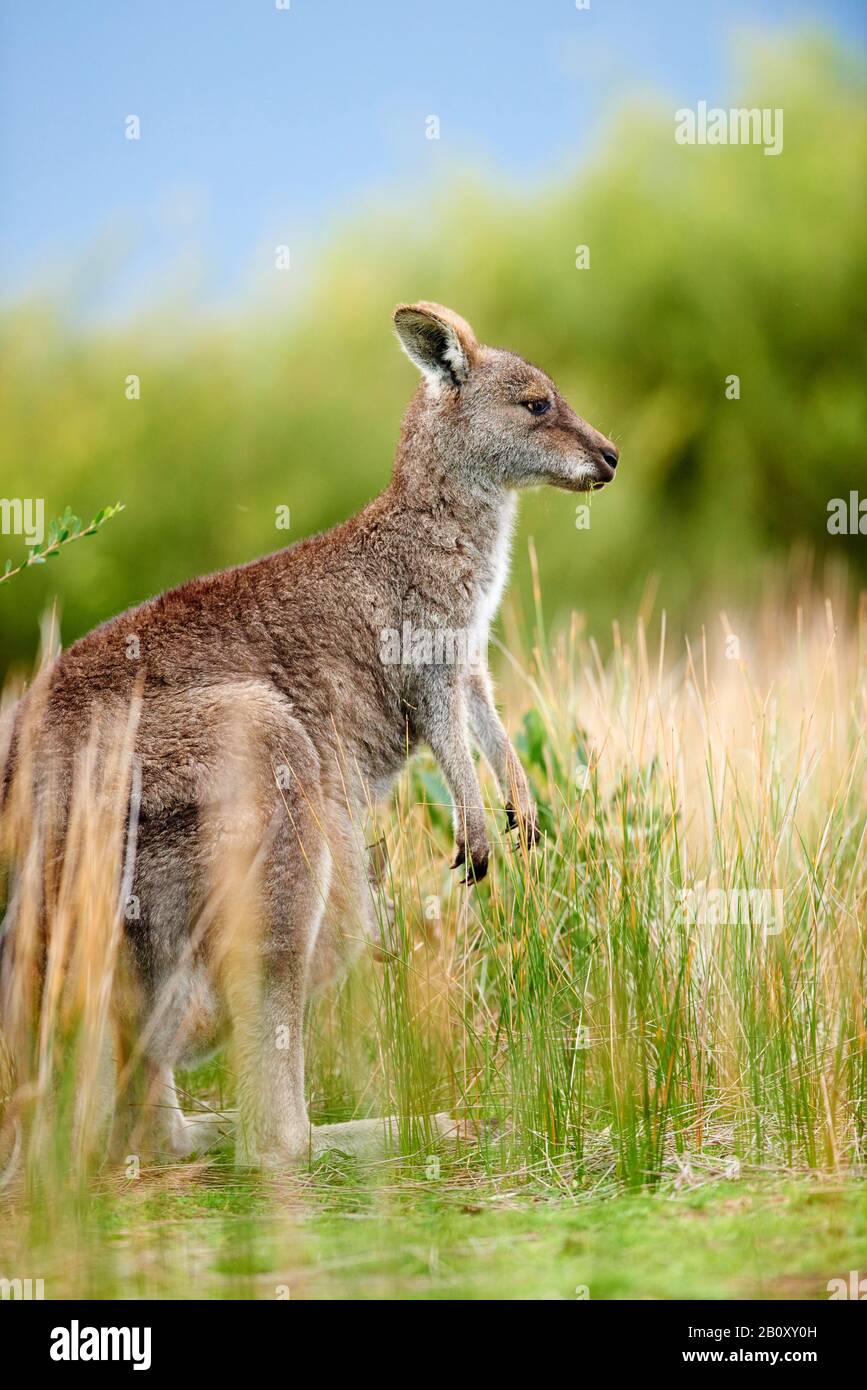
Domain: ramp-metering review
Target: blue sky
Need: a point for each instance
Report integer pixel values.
(262, 126)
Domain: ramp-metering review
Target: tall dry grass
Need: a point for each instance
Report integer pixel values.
(569, 1007)
(678, 977)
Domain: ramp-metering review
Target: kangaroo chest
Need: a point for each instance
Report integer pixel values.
(493, 572)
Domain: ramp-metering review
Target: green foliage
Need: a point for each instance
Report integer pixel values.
(706, 262)
(63, 530)
(358, 1238)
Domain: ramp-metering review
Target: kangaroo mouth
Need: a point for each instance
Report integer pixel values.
(586, 482)
(589, 475)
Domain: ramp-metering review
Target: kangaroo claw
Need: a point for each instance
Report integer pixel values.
(524, 825)
(477, 864)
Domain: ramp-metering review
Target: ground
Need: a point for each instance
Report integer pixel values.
(341, 1232)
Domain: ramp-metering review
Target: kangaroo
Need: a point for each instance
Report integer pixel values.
(298, 650)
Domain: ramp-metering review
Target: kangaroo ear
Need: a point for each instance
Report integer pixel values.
(440, 343)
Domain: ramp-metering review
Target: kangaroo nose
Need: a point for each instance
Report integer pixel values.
(610, 455)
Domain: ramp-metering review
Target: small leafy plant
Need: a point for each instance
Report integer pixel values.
(62, 531)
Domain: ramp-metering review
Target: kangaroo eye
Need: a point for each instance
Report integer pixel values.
(537, 407)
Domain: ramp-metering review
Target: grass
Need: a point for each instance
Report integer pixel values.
(342, 1233)
(653, 1028)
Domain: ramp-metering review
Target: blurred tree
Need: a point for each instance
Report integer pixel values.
(706, 263)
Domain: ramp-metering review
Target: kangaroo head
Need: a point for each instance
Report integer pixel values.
(495, 418)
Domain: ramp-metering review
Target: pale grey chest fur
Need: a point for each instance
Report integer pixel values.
(454, 589)
(494, 572)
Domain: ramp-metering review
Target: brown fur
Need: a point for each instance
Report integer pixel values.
(289, 649)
